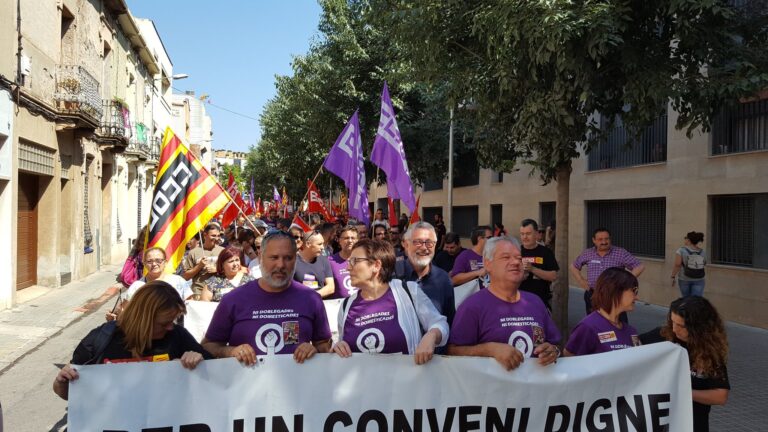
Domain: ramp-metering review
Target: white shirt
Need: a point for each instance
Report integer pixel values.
(182, 286)
(254, 269)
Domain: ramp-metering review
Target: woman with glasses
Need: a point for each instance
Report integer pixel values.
(313, 268)
(385, 315)
(694, 324)
(229, 275)
(602, 330)
(144, 332)
(155, 262)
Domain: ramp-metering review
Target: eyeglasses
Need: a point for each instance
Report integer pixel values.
(428, 243)
(635, 290)
(154, 261)
(354, 260)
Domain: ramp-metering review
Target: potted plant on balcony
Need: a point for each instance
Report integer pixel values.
(69, 88)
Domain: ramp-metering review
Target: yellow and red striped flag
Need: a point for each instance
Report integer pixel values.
(185, 199)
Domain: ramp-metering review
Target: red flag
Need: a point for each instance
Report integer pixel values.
(249, 209)
(316, 204)
(299, 222)
(260, 208)
(392, 214)
(233, 209)
(415, 215)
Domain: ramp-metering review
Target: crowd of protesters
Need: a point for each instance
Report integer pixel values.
(400, 284)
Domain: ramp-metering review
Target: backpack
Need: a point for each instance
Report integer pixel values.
(693, 264)
(98, 341)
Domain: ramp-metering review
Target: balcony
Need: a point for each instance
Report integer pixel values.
(77, 95)
(154, 149)
(115, 124)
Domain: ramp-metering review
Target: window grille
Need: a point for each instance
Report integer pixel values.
(463, 219)
(621, 148)
(496, 212)
(547, 213)
(433, 184)
(741, 128)
(637, 225)
(428, 213)
(738, 236)
(466, 171)
(36, 159)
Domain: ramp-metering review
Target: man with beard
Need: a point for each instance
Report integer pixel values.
(502, 321)
(420, 241)
(271, 315)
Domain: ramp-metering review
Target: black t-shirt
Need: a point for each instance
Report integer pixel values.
(445, 261)
(699, 381)
(541, 257)
(175, 343)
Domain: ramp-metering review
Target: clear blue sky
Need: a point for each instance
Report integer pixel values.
(232, 51)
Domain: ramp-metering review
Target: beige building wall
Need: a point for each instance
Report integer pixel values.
(687, 180)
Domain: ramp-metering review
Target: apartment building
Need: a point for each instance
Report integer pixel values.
(649, 196)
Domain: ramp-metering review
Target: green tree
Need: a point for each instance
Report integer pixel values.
(536, 73)
(343, 71)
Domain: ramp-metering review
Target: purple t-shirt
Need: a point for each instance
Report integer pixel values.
(341, 277)
(270, 321)
(483, 317)
(595, 334)
(372, 326)
(468, 261)
(596, 264)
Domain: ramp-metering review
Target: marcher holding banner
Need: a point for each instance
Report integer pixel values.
(386, 315)
(144, 332)
(502, 321)
(602, 331)
(694, 324)
(273, 315)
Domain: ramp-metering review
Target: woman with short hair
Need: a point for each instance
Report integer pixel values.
(386, 315)
(144, 332)
(694, 324)
(602, 330)
(228, 276)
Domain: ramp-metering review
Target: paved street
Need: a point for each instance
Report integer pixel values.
(37, 336)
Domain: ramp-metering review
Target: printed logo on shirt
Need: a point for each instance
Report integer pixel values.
(475, 265)
(291, 332)
(371, 341)
(154, 358)
(311, 281)
(269, 338)
(520, 340)
(348, 283)
(636, 340)
(605, 337)
(538, 335)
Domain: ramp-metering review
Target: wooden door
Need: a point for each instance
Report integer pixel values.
(26, 244)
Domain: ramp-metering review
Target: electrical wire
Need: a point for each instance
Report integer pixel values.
(207, 102)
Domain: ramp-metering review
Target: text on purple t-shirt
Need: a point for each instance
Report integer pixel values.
(372, 326)
(267, 321)
(483, 317)
(595, 334)
(341, 277)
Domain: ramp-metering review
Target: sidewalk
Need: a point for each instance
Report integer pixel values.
(43, 312)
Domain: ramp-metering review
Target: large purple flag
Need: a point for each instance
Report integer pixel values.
(276, 195)
(346, 161)
(389, 155)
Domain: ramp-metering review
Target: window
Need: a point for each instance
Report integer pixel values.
(736, 235)
(547, 213)
(433, 185)
(466, 172)
(637, 225)
(428, 213)
(622, 149)
(741, 128)
(497, 177)
(496, 212)
(463, 219)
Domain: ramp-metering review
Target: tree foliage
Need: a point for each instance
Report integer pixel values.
(344, 70)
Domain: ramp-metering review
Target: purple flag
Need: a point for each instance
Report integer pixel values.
(276, 194)
(389, 155)
(346, 161)
(252, 197)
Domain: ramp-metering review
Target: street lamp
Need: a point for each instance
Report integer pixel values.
(180, 76)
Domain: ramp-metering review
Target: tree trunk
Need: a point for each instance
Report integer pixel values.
(561, 286)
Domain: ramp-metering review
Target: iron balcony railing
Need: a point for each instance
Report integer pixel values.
(77, 92)
(154, 149)
(115, 120)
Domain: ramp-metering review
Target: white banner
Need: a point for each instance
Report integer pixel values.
(636, 389)
(199, 315)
